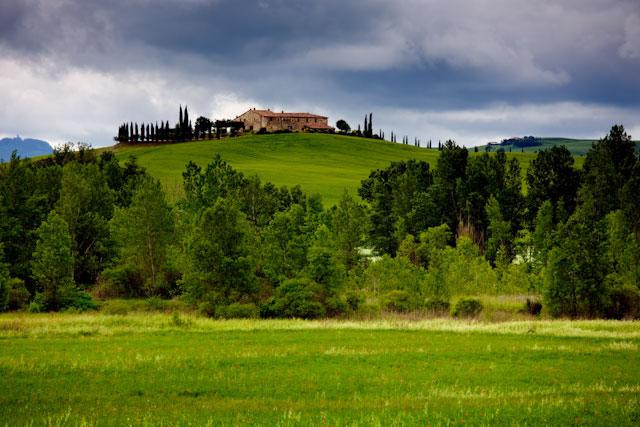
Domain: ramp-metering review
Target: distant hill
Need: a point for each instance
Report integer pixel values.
(27, 147)
(577, 147)
(320, 163)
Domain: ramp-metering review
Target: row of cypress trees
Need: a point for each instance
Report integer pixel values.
(154, 133)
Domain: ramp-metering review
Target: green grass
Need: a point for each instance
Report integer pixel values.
(324, 164)
(149, 369)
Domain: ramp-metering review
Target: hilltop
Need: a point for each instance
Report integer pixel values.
(320, 163)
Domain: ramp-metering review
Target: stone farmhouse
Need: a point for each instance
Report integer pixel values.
(271, 121)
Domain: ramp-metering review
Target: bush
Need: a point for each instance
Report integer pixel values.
(335, 306)
(437, 306)
(624, 303)
(120, 281)
(237, 311)
(35, 307)
(467, 307)
(532, 307)
(4, 293)
(400, 301)
(18, 294)
(75, 299)
(295, 298)
(354, 301)
(368, 309)
(207, 308)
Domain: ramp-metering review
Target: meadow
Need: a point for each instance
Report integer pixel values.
(164, 369)
(324, 164)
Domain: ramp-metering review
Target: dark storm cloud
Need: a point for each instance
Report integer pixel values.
(412, 59)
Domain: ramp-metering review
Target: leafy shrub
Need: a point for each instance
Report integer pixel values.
(467, 307)
(369, 309)
(75, 299)
(157, 304)
(354, 301)
(390, 274)
(532, 307)
(207, 308)
(400, 301)
(335, 306)
(624, 303)
(437, 306)
(36, 306)
(237, 311)
(4, 294)
(295, 298)
(18, 294)
(120, 281)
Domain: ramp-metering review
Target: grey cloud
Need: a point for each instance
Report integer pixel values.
(136, 59)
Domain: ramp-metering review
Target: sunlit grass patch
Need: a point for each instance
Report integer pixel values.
(149, 369)
(38, 325)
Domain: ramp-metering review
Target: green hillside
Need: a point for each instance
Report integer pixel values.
(325, 164)
(577, 147)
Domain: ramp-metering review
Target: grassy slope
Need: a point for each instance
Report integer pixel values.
(325, 164)
(577, 147)
(146, 369)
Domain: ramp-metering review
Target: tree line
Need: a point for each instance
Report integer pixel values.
(80, 225)
(183, 130)
(367, 132)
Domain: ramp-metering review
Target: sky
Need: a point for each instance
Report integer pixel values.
(469, 70)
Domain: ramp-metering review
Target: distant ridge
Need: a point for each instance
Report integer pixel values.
(27, 147)
(577, 147)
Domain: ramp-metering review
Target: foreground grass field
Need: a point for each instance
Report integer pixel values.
(165, 370)
(324, 164)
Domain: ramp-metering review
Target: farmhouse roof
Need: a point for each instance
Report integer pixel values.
(269, 113)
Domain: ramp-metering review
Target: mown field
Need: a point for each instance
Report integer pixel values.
(324, 164)
(159, 369)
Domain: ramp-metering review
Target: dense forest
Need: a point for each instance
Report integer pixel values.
(79, 227)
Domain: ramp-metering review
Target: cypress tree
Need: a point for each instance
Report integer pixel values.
(370, 125)
(180, 122)
(142, 136)
(366, 126)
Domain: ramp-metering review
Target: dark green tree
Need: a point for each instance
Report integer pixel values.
(4, 281)
(86, 204)
(52, 265)
(221, 266)
(285, 244)
(574, 277)
(343, 126)
(143, 232)
(350, 225)
(607, 168)
(552, 176)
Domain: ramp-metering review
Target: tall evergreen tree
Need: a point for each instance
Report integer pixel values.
(606, 170)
